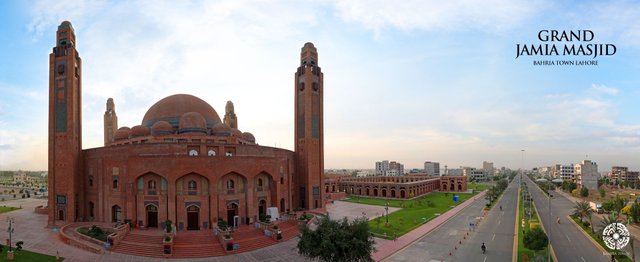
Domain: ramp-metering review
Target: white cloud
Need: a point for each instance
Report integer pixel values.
(437, 15)
(602, 89)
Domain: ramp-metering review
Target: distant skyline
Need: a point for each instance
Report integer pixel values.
(408, 81)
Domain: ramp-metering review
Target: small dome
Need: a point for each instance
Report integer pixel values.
(192, 122)
(65, 24)
(221, 129)
(249, 137)
(122, 133)
(236, 133)
(139, 130)
(161, 128)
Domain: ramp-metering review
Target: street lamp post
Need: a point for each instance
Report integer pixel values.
(10, 229)
(386, 208)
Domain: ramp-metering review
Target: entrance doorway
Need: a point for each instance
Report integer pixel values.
(193, 215)
(152, 216)
(262, 207)
(232, 211)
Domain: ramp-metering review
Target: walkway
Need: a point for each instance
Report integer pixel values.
(390, 247)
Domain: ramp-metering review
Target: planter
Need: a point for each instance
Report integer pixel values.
(9, 255)
(167, 245)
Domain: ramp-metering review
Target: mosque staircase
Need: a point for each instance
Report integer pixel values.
(202, 243)
(141, 243)
(194, 244)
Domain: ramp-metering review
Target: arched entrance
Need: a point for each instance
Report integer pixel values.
(281, 204)
(152, 216)
(193, 215)
(262, 207)
(232, 211)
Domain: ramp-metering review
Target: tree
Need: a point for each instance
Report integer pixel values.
(581, 209)
(535, 239)
(602, 192)
(608, 220)
(338, 241)
(584, 192)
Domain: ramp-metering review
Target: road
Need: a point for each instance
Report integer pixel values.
(568, 242)
(496, 230)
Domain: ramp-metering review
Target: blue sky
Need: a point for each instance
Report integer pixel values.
(409, 81)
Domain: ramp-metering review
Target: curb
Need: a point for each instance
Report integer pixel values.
(587, 235)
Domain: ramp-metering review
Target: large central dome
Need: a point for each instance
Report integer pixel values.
(171, 108)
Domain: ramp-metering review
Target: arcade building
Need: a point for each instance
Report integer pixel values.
(182, 162)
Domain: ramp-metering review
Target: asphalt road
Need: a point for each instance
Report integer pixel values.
(568, 242)
(496, 230)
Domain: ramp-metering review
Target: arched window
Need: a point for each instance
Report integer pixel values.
(193, 185)
(90, 181)
(282, 180)
(211, 153)
(193, 152)
(116, 214)
(115, 184)
(151, 184)
(259, 181)
(230, 184)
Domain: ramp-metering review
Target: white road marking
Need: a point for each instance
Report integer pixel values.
(567, 237)
(499, 222)
(583, 259)
(485, 259)
(494, 237)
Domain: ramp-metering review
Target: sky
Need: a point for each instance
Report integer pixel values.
(409, 81)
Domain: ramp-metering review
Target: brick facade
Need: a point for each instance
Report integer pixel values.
(182, 163)
(402, 187)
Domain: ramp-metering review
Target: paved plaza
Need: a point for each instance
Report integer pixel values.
(30, 228)
(340, 209)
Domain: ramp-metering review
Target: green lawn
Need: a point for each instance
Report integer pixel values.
(478, 186)
(24, 255)
(412, 213)
(7, 209)
(622, 258)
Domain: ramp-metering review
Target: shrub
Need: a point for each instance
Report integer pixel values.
(167, 238)
(267, 218)
(222, 224)
(275, 226)
(584, 192)
(535, 239)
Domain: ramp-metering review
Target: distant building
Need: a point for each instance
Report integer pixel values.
(386, 168)
(404, 187)
(454, 172)
(622, 174)
(564, 172)
(432, 168)
(587, 174)
(23, 178)
(487, 168)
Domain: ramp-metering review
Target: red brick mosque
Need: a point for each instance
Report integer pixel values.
(183, 162)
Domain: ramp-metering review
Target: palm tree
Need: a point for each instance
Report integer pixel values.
(608, 220)
(581, 209)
